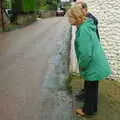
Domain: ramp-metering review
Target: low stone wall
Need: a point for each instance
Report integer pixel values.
(26, 19)
(47, 14)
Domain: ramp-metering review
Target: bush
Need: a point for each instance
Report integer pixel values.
(24, 6)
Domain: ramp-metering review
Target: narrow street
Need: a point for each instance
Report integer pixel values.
(25, 59)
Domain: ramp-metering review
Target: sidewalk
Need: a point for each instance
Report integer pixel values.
(109, 99)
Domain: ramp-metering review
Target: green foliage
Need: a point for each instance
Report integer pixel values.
(68, 83)
(29, 5)
(48, 4)
(43, 5)
(24, 6)
(7, 4)
(52, 4)
(16, 6)
(67, 5)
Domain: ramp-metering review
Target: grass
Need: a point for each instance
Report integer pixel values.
(10, 27)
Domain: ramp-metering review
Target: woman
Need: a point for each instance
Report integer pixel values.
(81, 95)
(92, 61)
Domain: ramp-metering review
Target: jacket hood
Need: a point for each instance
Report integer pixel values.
(89, 23)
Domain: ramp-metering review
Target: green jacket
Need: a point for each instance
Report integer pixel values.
(91, 58)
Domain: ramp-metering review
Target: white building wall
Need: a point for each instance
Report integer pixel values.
(108, 14)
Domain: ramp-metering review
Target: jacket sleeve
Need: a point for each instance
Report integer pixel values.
(84, 48)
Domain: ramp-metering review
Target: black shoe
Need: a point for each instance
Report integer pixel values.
(81, 95)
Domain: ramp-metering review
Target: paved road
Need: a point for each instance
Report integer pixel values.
(24, 61)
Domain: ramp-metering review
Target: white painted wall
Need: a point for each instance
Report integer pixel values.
(108, 14)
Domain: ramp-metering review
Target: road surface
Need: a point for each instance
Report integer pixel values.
(25, 57)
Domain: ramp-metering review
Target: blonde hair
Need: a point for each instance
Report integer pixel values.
(76, 15)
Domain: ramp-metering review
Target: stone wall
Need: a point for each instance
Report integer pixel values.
(108, 14)
(47, 14)
(26, 19)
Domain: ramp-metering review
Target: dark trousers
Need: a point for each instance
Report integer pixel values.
(91, 97)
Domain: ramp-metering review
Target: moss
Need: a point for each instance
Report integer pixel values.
(70, 81)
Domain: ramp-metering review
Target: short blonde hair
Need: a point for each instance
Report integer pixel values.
(76, 15)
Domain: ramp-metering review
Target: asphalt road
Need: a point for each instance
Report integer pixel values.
(24, 62)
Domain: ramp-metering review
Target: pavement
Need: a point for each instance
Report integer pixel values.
(33, 67)
(109, 99)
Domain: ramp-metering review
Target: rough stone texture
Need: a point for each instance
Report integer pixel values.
(108, 14)
(26, 19)
(48, 14)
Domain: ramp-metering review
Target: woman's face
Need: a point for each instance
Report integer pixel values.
(85, 11)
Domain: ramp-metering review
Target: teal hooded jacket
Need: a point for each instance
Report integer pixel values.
(91, 58)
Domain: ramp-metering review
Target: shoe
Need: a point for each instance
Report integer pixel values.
(80, 112)
(91, 115)
(81, 95)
